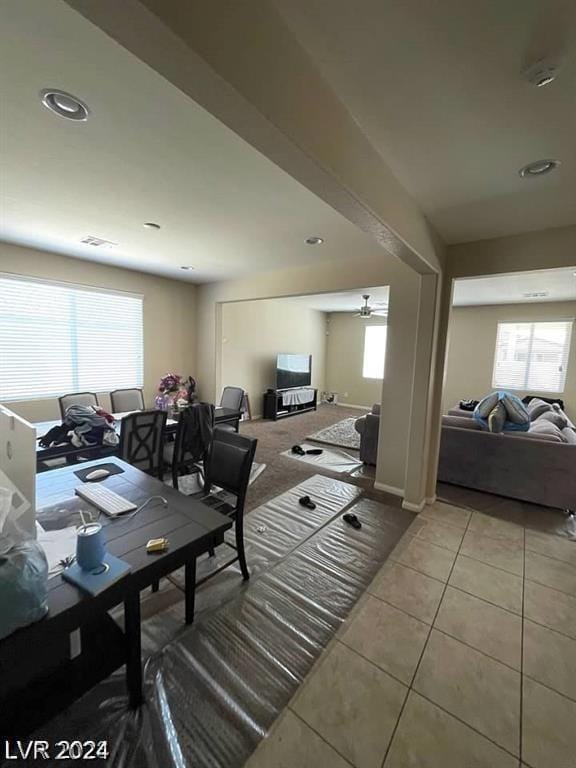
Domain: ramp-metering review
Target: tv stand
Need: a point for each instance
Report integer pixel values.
(275, 409)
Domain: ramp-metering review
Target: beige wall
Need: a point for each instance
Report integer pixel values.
(403, 322)
(169, 315)
(344, 359)
(254, 332)
(472, 344)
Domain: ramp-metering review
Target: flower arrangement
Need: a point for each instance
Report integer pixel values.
(175, 389)
(171, 382)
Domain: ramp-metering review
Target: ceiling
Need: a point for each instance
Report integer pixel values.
(147, 153)
(344, 301)
(437, 88)
(556, 284)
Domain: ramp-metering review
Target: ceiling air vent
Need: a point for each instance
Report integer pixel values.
(98, 242)
(535, 294)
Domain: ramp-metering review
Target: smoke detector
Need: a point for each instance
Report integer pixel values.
(541, 73)
(98, 242)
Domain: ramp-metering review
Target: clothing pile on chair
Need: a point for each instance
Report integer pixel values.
(83, 425)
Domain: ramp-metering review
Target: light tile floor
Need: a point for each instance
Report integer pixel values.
(461, 654)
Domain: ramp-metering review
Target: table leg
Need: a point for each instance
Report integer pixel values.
(189, 590)
(133, 649)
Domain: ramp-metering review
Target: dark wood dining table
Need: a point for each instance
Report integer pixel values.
(32, 687)
(71, 452)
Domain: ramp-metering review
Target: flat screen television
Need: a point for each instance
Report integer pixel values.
(293, 371)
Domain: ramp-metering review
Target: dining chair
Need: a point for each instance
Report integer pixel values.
(142, 441)
(126, 400)
(77, 398)
(233, 398)
(186, 454)
(227, 468)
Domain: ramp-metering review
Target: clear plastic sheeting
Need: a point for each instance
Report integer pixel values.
(213, 693)
(334, 459)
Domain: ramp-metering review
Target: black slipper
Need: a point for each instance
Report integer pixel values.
(307, 502)
(298, 450)
(314, 451)
(352, 520)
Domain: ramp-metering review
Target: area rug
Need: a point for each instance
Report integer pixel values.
(342, 434)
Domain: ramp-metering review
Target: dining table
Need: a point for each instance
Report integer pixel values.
(45, 456)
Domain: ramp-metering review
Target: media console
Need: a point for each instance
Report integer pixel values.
(275, 409)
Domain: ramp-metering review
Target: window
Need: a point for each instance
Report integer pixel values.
(56, 338)
(532, 356)
(374, 351)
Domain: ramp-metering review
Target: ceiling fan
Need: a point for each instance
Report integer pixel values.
(366, 311)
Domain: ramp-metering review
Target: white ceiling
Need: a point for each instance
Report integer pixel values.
(436, 87)
(557, 284)
(147, 153)
(344, 301)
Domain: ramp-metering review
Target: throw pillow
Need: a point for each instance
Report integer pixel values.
(537, 407)
(569, 435)
(497, 417)
(486, 405)
(515, 409)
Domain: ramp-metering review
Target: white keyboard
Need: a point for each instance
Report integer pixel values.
(109, 502)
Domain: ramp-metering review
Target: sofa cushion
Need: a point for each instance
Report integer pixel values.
(554, 417)
(537, 407)
(543, 427)
(569, 435)
(463, 422)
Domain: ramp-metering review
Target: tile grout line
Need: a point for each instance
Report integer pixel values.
(410, 687)
(331, 746)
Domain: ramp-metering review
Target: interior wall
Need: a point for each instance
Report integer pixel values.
(472, 347)
(344, 360)
(254, 332)
(354, 273)
(169, 316)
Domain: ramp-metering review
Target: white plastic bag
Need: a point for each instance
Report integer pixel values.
(23, 573)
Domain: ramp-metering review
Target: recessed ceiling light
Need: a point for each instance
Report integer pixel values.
(538, 168)
(64, 104)
(187, 268)
(314, 240)
(151, 225)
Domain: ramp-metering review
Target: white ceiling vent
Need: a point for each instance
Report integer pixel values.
(98, 242)
(535, 294)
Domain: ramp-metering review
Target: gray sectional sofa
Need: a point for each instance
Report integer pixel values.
(368, 427)
(538, 466)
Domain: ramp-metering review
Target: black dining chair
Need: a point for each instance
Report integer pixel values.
(142, 441)
(126, 400)
(233, 398)
(186, 454)
(227, 467)
(77, 398)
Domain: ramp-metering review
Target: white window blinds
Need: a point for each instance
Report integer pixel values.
(374, 351)
(532, 356)
(56, 339)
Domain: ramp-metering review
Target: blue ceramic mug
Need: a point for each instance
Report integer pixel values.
(90, 546)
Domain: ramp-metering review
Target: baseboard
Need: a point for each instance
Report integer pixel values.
(356, 407)
(389, 489)
(414, 507)
(432, 499)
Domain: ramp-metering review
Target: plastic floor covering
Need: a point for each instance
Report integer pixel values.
(213, 692)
